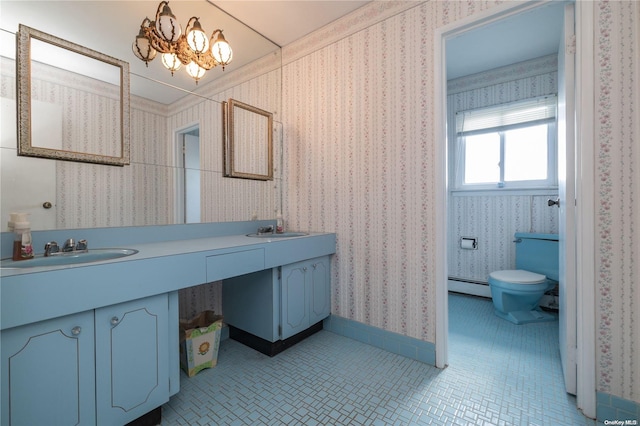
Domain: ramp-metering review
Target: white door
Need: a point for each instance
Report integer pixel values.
(566, 183)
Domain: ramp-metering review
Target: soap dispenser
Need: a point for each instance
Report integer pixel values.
(279, 224)
(22, 243)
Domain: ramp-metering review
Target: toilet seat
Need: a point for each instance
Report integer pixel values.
(518, 276)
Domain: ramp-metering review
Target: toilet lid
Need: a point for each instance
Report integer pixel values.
(518, 276)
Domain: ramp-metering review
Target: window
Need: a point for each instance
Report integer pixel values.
(507, 146)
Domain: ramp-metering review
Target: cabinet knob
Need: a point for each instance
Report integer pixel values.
(304, 269)
(315, 265)
(115, 321)
(76, 330)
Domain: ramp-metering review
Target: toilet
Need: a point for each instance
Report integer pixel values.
(516, 293)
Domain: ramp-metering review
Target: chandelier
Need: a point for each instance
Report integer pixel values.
(192, 48)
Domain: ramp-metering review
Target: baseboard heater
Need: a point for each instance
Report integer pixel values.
(469, 286)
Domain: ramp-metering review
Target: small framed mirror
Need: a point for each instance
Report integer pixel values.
(82, 94)
(248, 152)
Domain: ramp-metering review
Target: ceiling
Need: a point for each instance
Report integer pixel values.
(256, 28)
(524, 36)
(284, 22)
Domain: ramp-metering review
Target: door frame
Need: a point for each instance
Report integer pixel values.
(585, 219)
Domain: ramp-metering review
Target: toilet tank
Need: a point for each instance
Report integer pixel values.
(538, 253)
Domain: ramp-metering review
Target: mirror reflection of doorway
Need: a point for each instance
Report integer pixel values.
(188, 175)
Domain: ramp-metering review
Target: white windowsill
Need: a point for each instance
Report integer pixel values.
(504, 191)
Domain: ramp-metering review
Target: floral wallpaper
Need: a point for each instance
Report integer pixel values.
(358, 120)
(617, 158)
(494, 219)
(357, 129)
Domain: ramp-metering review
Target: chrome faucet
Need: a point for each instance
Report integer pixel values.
(51, 248)
(70, 245)
(265, 230)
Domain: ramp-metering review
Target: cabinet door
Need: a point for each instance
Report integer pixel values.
(320, 291)
(48, 372)
(295, 313)
(132, 366)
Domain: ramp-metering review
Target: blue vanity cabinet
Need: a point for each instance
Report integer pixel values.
(251, 303)
(106, 366)
(305, 294)
(96, 344)
(278, 303)
(48, 372)
(132, 358)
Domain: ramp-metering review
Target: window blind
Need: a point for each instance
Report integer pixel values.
(508, 114)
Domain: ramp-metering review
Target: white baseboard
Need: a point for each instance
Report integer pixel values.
(469, 288)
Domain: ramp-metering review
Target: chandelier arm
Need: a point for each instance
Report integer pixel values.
(186, 55)
(206, 60)
(157, 42)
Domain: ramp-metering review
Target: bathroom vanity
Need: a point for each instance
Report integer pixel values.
(97, 343)
(106, 366)
(272, 309)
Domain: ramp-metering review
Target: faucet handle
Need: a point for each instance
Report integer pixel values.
(82, 245)
(69, 245)
(51, 247)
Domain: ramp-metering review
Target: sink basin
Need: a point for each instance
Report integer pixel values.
(283, 235)
(72, 258)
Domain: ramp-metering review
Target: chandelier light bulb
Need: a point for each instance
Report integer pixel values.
(142, 48)
(171, 62)
(197, 38)
(167, 25)
(220, 49)
(195, 71)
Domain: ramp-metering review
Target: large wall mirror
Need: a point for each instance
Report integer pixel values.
(96, 97)
(164, 111)
(249, 141)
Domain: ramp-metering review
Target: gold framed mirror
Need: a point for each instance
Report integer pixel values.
(89, 122)
(248, 150)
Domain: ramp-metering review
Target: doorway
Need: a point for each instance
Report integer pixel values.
(500, 15)
(188, 175)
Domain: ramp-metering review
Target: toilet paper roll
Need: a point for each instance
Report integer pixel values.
(468, 243)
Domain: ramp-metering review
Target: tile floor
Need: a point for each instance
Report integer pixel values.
(499, 374)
